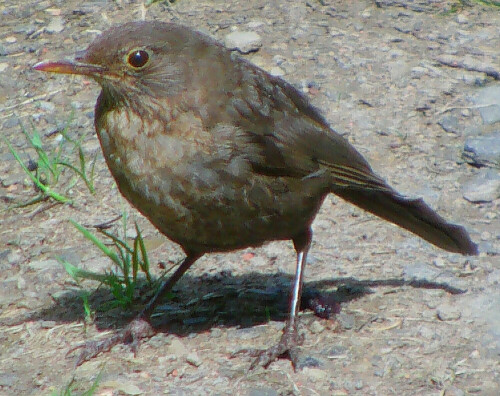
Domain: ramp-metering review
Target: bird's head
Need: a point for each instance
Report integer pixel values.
(138, 58)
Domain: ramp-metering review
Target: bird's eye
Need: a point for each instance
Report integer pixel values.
(138, 58)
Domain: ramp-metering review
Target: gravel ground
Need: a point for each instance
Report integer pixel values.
(409, 83)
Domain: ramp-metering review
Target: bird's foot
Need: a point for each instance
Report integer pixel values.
(136, 330)
(287, 347)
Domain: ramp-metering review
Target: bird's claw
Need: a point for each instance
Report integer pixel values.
(136, 330)
(288, 347)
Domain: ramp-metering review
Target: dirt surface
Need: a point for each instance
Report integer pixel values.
(375, 74)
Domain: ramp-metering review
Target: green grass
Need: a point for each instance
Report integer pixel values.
(47, 170)
(50, 181)
(68, 389)
(488, 2)
(129, 261)
(461, 4)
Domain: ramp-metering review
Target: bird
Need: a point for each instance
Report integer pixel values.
(220, 155)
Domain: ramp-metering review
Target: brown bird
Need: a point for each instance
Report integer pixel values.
(220, 155)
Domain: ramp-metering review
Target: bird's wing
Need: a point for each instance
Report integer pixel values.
(286, 136)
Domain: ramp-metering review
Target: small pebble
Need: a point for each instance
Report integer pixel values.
(485, 236)
(448, 312)
(483, 150)
(261, 391)
(44, 265)
(56, 25)
(314, 373)
(277, 71)
(243, 41)
(193, 359)
(316, 327)
(439, 262)
(484, 187)
(177, 348)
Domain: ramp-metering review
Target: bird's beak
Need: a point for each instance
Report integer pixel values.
(67, 67)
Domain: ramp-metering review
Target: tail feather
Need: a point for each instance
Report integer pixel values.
(415, 216)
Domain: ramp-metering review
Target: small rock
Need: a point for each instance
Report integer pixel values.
(347, 321)
(194, 359)
(262, 391)
(8, 379)
(47, 106)
(277, 71)
(278, 59)
(485, 236)
(10, 40)
(247, 333)
(316, 327)
(418, 72)
(483, 150)
(336, 351)
(26, 29)
(450, 124)
(243, 41)
(454, 391)
(439, 262)
(358, 385)
(315, 373)
(43, 265)
(307, 361)
(255, 24)
(53, 11)
(3, 67)
(462, 19)
(489, 101)
(177, 348)
(56, 25)
(158, 340)
(484, 187)
(335, 33)
(122, 386)
(448, 312)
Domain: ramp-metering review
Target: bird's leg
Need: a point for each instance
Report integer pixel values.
(290, 340)
(139, 328)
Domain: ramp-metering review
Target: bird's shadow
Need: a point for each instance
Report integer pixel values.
(222, 300)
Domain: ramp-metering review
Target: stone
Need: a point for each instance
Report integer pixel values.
(44, 265)
(489, 101)
(56, 25)
(193, 359)
(484, 187)
(483, 150)
(262, 391)
(448, 312)
(243, 41)
(177, 348)
(450, 124)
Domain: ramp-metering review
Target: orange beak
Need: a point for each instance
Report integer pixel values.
(66, 67)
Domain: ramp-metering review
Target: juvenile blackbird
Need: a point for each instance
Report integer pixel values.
(220, 155)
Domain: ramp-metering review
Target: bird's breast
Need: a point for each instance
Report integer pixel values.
(201, 196)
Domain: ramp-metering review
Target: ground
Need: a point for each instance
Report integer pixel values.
(373, 69)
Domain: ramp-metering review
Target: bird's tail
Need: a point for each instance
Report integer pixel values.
(413, 215)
